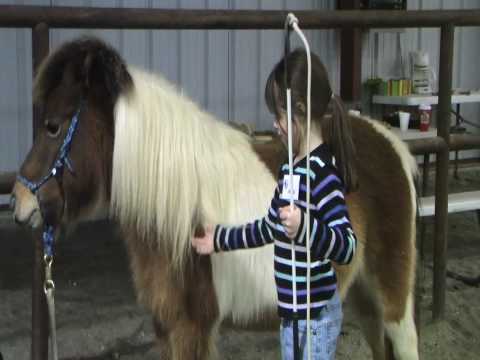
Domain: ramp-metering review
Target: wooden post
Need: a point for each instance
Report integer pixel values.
(441, 181)
(39, 348)
(7, 179)
(350, 57)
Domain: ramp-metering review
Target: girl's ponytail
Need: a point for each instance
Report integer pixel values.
(337, 134)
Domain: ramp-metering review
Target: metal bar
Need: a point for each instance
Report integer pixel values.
(39, 349)
(464, 141)
(441, 181)
(351, 64)
(437, 144)
(6, 182)
(426, 146)
(40, 49)
(350, 57)
(125, 18)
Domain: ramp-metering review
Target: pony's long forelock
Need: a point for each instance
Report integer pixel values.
(88, 57)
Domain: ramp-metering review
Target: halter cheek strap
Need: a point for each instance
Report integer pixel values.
(61, 161)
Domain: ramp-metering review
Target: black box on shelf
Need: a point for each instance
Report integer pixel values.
(384, 4)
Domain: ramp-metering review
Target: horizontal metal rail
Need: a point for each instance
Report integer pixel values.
(426, 146)
(124, 18)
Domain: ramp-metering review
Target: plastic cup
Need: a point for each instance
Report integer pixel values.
(404, 118)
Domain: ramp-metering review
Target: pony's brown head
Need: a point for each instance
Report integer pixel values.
(67, 173)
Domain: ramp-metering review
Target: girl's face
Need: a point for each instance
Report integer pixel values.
(281, 126)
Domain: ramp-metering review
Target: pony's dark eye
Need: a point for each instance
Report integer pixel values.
(53, 130)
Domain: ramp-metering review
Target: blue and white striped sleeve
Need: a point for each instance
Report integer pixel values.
(331, 232)
(257, 233)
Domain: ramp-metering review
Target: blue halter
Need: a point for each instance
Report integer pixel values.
(59, 164)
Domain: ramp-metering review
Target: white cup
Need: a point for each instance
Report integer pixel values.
(404, 118)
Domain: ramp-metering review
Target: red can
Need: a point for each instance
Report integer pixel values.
(425, 113)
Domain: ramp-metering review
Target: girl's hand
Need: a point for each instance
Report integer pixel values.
(290, 219)
(204, 245)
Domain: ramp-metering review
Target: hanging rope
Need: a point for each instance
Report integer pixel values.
(292, 21)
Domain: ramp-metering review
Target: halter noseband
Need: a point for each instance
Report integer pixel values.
(61, 161)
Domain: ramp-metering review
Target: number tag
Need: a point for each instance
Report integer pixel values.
(290, 190)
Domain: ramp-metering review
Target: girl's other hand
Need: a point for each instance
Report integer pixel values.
(290, 219)
(204, 244)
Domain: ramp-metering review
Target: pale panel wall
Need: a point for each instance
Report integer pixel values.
(15, 93)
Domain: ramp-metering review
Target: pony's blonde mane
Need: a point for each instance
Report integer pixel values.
(176, 167)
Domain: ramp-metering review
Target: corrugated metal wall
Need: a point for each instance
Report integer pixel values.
(224, 71)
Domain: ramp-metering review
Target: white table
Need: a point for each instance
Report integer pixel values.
(412, 134)
(415, 100)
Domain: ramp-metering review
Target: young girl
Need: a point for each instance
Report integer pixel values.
(331, 234)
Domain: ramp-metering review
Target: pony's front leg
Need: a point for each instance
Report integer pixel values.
(192, 335)
(190, 340)
(161, 334)
(186, 340)
(182, 299)
(189, 316)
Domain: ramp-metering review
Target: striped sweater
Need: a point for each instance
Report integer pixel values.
(331, 234)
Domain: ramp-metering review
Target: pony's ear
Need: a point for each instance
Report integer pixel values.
(104, 71)
(86, 71)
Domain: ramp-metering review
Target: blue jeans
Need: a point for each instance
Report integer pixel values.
(324, 331)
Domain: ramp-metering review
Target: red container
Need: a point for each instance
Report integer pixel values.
(425, 115)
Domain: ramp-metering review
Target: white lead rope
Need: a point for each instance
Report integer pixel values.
(290, 175)
(293, 22)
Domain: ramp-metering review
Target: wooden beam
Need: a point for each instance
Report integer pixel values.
(447, 36)
(6, 182)
(350, 57)
(39, 348)
(124, 18)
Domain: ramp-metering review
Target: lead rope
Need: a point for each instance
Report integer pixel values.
(296, 352)
(293, 22)
(61, 162)
(49, 287)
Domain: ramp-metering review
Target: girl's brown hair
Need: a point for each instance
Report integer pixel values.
(335, 127)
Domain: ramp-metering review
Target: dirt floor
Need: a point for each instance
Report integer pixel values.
(98, 318)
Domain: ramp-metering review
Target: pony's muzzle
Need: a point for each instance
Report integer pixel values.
(25, 207)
